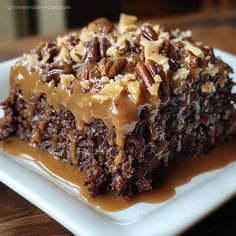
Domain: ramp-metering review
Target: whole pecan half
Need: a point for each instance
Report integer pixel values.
(111, 68)
(105, 65)
(144, 74)
(147, 33)
(103, 46)
(147, 71)
(92, 50)
(97, 49)
(53, 71)
(103, 25)
(117, 66)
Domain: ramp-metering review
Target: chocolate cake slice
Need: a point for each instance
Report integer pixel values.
(120, 101)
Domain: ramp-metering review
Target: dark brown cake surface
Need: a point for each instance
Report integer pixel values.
(120, 101)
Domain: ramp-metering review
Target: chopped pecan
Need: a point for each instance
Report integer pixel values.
(124, 48)
(165, 49)
(192, 59)
(117, 66)
(103, 25)
(43, 48)
(140, 38)
(103, 46)
(92, 50)
(142, 55)
(93, 73)
(53, 72)
(73, 40)
(168, 50)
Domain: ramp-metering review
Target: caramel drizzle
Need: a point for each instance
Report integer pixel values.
(176, 174)
(119, 112)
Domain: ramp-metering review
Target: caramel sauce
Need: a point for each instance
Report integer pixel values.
(176, 174)
(119, 112)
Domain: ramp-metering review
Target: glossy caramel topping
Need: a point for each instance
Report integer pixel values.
(118, 112)
(176, 174)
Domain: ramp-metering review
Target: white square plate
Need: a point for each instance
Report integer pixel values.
(191, 202)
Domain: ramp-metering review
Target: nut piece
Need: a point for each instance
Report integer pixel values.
(64, 54)
(125, 21)
(53, 71)
(212, 69)
(85, 35)
(181, 74)
(105, 65)
(66, 80)
(153, 90)
(149, 32)
(112, 89)
(144, 74)
(104, 79)
(101, 98)
(85, 84)
(208, 87)
(117, 66)
(195, 50)
(134, 90)
(101, 25)
(112, 52)
(152, 47)
(78, 52)
(104, 44)
(92, 51)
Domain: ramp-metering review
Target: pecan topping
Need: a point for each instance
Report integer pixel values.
(53, 71)
(103, 46)
(103, 25)
(92, 50)
(144, 74)
(117, 66)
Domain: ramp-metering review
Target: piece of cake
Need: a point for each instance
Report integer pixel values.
(120, 101)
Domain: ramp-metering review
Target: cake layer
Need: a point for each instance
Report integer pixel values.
(120, 101)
